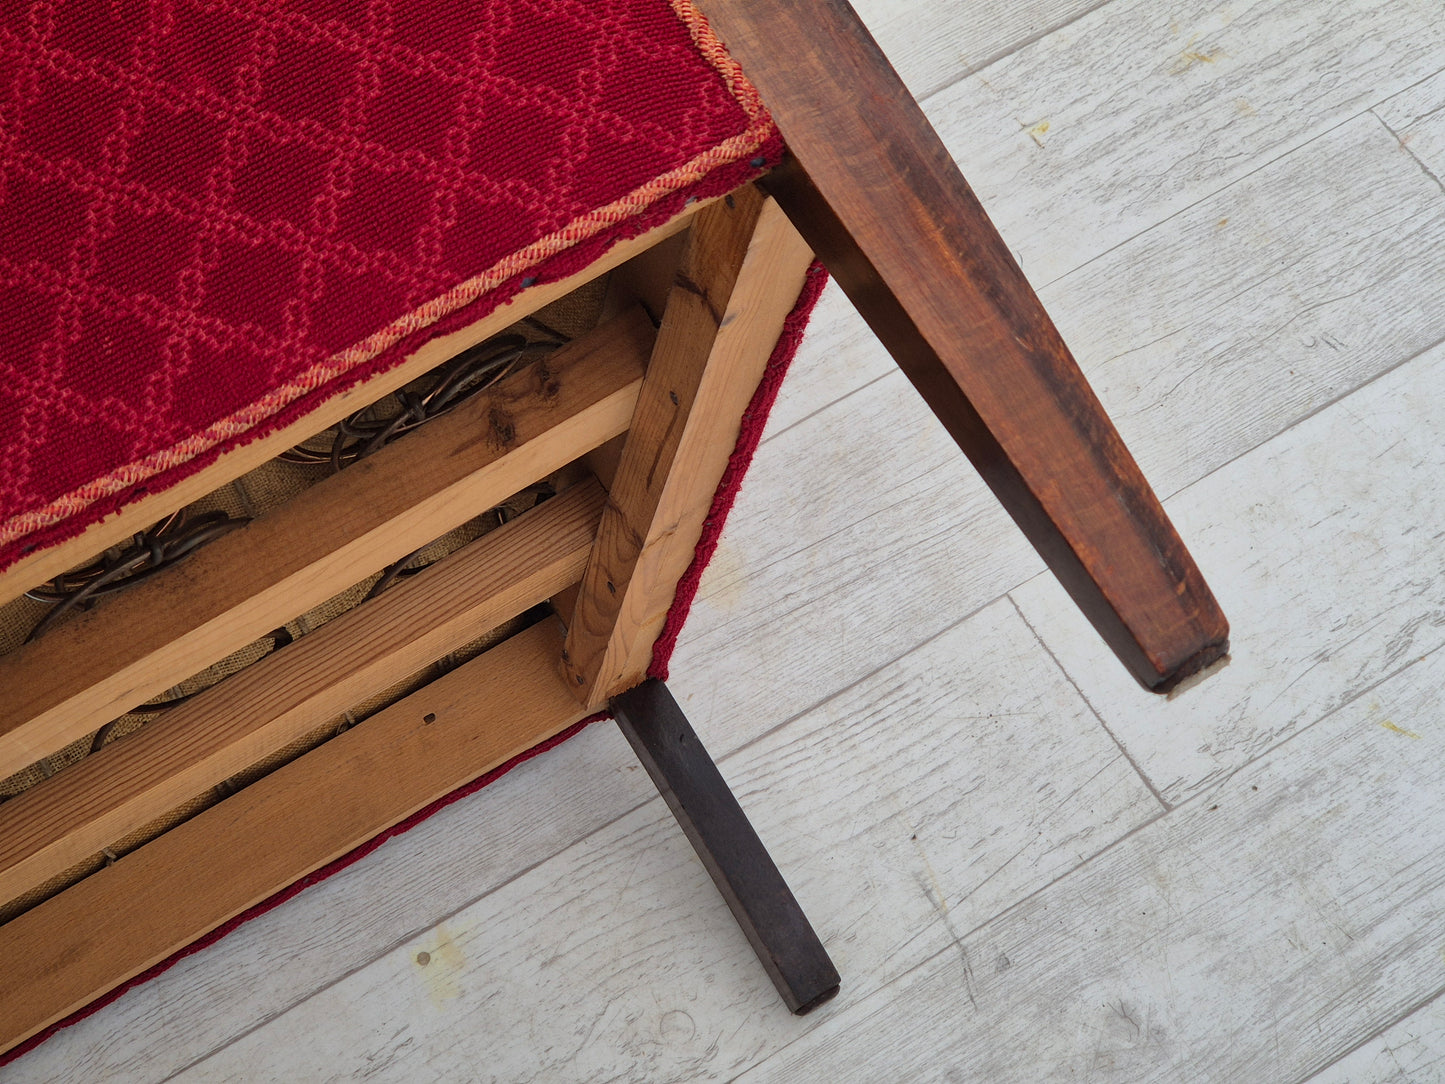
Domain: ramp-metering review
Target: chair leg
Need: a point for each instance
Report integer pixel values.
(740, 865)
(874, 192)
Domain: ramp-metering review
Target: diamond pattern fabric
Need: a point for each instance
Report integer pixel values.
(214, 215)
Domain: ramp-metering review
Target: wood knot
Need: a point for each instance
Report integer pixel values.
(547, 383)
(502, 426)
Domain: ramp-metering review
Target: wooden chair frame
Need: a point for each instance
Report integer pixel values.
(655, 413)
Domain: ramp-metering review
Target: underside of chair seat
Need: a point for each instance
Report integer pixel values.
(214, 216)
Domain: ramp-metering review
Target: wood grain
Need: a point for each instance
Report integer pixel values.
(137, 779)
(136, 516)
(1301, 512)
(875, 193)
(741, 273)
(932, 46)
(1257, 933)
(1088, 137)
(121, 920)
(280, 958)
(1416, 117)
(1264, 303)
(1412, 1050)
(136, 644)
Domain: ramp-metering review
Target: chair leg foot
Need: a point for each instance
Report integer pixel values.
(735, 857)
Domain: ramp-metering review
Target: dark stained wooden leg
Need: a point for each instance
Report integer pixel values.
(740, 866)
(874, 192)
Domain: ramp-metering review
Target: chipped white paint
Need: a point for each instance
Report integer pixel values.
(1253, 935)
(1417, 117)
(1325, 548)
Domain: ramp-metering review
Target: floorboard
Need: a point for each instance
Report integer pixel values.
(1417, 116)
(1324, 546)
(931, 46)
(1131, 114)
(1411, 1052)
(1255, 934)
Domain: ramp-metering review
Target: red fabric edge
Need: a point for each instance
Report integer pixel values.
(749, 436)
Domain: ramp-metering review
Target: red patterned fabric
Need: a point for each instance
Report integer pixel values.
(214, 215)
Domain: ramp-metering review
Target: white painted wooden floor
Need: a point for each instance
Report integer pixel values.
(1025, 868)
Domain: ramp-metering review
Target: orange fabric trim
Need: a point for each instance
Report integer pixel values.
(716, 54)
(760, 128)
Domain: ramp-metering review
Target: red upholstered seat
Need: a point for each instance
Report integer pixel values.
(213, 215)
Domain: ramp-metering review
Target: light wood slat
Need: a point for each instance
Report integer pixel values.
(130, 782)
(25, 574)
(139, 643)
(161, 897)
(1138, 132)
(740, 276)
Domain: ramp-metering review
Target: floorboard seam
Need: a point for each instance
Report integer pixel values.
(1089, 704)
(1202, 794)
(958, 938)
(1405, 146)
(863, 1001)
(1205, 198)
(892, 368)
(1411, 1011)
(1032, 39)
(1307, 415)
(1104, 850)
(1341, 706)
(1141, 826)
